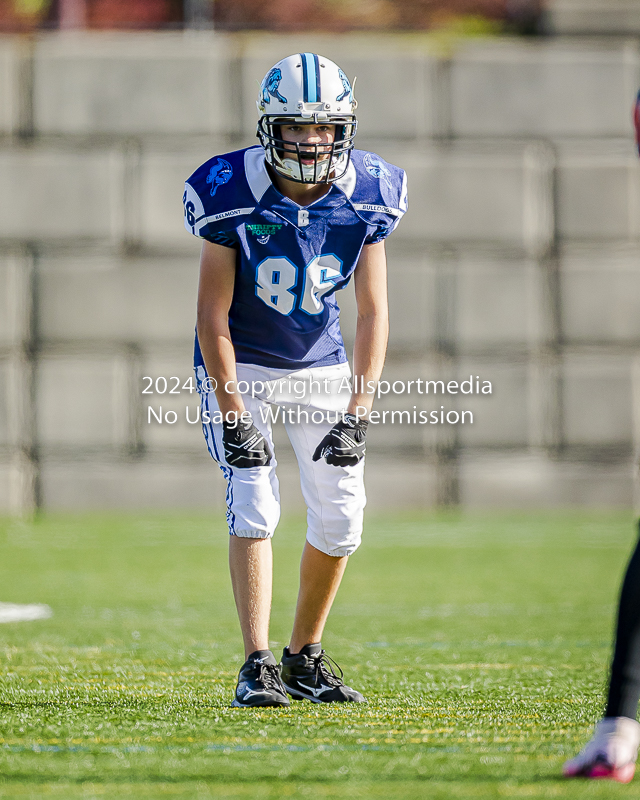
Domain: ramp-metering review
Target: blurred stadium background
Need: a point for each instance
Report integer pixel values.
(518, 261)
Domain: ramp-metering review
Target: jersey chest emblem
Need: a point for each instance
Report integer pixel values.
(263, 232)
(303, 218)
(221, 172)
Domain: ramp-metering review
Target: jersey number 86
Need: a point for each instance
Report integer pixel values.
(276, 277)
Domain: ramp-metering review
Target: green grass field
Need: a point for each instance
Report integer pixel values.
(481, 642)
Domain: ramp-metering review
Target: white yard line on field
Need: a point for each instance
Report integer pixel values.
(14, 612)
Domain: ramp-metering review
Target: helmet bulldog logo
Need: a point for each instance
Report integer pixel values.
(270, 86)
(346, 86)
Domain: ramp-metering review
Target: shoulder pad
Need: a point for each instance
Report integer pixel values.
(381, 188)
(216, 192)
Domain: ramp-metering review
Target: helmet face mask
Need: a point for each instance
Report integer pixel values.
(304, 90)
(307, 162)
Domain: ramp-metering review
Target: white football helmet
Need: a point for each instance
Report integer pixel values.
(307, 89)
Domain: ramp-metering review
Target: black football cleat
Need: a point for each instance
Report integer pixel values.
(310, 675)
(259, 682)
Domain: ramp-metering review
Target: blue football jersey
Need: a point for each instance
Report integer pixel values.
(291, 259)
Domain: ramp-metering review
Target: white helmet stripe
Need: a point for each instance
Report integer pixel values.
(311, 77)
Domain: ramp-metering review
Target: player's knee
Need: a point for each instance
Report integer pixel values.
(335, 543)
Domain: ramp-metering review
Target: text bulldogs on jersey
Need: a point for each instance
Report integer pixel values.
(284, 313)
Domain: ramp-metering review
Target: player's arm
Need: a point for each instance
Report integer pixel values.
(215, 293)
(244, 445)
(345, 443)
(372, 328)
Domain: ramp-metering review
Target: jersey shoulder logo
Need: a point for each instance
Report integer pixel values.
(221, 172)
(376, 167)
(346, 86)
(270, 86)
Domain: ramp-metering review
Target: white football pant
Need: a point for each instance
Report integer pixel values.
(334, 496)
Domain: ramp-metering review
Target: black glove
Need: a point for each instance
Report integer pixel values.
(244, 445)
(344, 445)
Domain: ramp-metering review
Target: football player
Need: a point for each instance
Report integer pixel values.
(613, 749)
(286, 224)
